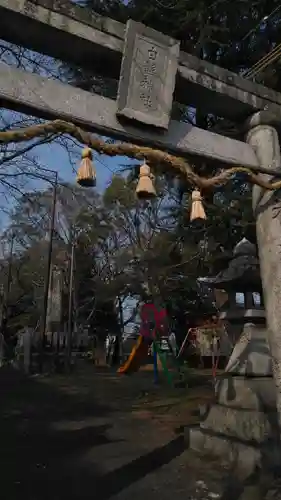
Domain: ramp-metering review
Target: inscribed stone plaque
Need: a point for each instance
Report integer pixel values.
(147, 78)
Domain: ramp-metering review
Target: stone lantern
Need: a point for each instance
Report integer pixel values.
(243, 312)
(241, 280)
(242, 421)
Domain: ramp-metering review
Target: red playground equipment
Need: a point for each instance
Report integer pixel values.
(153, 326)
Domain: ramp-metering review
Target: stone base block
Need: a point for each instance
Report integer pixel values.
(243, 457)
(249, 393)
(241, 426)
(237, 423)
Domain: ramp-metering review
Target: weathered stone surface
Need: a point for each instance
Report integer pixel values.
(267, 210)
(210, 85)
(242, 271)
(54, 311)
(246, 425)
(64, 31)
(241, 426)
(253, 393)
(241, 456)
(54, 28)
(263, 117)
(244, 458)
(50, 99)
(147, 78)
(251, 355)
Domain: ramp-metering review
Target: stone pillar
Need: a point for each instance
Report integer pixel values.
(2, 349)
(240, 425)
(263, 137)
(27, 344)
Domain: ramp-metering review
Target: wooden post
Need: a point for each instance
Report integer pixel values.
(263, 137)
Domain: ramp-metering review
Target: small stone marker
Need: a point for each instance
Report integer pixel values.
(147, 78)
(2, 350)
(27, 343)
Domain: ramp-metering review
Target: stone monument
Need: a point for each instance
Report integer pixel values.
(241, 424)
(2, 349)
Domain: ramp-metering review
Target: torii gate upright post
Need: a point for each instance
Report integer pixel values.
(263, 137)
(244, 422)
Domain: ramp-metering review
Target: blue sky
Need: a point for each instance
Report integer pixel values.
(52, 156)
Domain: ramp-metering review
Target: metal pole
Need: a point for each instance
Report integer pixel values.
(48, 276)
(70, 308)
(6, 294)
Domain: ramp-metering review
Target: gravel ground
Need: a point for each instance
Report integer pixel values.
(98, 434)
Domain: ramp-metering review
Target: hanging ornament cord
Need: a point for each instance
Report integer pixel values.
(154, 156)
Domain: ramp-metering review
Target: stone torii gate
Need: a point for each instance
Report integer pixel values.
(152, 74)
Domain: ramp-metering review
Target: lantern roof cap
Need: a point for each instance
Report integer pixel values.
(242, 273)
(244, 247)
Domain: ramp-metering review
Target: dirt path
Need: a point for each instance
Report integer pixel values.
(98, 435)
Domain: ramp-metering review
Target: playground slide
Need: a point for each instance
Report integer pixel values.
(139, 351)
